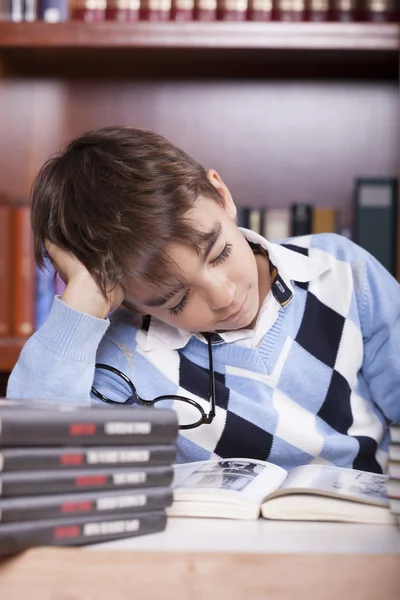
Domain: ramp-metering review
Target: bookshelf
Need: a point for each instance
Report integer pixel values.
(202, 35)
(284, 111)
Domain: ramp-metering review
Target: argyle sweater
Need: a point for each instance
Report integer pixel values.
(321, 386)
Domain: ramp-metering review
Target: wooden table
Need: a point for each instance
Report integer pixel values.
(199, 559)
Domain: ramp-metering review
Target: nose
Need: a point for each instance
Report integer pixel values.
(221, 293)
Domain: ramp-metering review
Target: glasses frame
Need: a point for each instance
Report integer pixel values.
(205, 419)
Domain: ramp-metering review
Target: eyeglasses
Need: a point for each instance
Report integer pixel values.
(190, 414)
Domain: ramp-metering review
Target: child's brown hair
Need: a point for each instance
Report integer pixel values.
(115, 197)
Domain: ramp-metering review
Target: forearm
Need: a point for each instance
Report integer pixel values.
(58, 361)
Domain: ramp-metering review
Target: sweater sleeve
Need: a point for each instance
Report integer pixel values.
(379, 309)
(57, 362)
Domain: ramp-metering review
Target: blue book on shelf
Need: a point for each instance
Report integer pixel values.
(44, 294)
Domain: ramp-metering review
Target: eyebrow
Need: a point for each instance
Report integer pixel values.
(211, 240)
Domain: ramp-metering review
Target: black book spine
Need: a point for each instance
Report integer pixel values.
(25, 459)
(301, 219)
(59, 506)
(109, 426)
(77, 531)
(78, 480)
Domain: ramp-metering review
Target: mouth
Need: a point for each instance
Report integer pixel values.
(234, 315)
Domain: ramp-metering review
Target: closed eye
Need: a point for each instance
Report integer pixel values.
(175, 310)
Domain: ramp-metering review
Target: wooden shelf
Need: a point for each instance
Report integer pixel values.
(202, 35)
(9, 352)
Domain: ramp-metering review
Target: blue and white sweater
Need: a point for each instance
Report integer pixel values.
(317, 380)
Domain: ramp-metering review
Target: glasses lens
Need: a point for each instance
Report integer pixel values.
(187, 413)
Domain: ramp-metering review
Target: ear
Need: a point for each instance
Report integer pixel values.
(227, 200)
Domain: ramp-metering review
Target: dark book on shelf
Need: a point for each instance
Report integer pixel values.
(30, 483)
(375, 219)
(5, 269)
(41, 459)
(301, 219)
(78, 531)
(36, 423)
(58, 506)
(53, 11)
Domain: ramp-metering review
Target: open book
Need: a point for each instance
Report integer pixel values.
(240, 488)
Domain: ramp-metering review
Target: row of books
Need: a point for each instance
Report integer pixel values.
(75, 475)
(374, 219)
(27, 292)
(393, 484)
(54, 11)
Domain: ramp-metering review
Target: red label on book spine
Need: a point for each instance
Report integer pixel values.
(82, 429)
(90, 480)
(70, 531)
(82, 506)
(71, 459)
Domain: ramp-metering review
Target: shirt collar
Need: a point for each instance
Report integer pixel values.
(291, 266)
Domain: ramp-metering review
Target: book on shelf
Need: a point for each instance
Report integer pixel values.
(289, 10)
(182, 10)
(345, 11)
(90, 11)
(205, 10)
(323, 220)
(67, 457)
(276, 224)
(381, 11)
(45, 423)
(301, 219)
(5, 269)
(375, 219)
(232, 10)
(23, 273)
(155, 10)
(30, 483)
(241, 488)
(53, 11)
(260, 10)
(317, 10)
(123, 10)
(58, 506)
(27, 292)
(78, 530)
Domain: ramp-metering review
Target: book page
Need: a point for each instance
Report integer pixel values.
(359, 486)
(240, 478)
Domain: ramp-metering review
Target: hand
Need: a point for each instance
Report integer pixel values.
(82, 292)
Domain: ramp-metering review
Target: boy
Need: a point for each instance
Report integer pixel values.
(304, 336)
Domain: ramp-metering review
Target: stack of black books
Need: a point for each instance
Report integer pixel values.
(76, 475)
(393, 484)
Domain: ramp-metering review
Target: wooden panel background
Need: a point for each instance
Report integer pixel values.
(274, 141)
